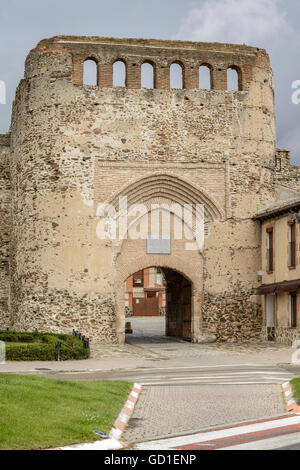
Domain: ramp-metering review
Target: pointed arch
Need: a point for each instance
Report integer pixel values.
(169, 187)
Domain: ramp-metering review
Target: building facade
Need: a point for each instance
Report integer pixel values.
(281, 270)
(74, 148)
(146, 293)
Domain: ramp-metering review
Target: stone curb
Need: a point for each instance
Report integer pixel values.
(113, 443)
(123, 418)
(291, 404)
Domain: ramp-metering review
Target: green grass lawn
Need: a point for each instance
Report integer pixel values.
(296, 387)
(37, 413)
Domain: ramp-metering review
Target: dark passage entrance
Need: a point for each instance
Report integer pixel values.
(178, 309)
(159, 303)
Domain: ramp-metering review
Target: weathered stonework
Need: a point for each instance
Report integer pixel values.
(74, 146)
(4, 229)
(286, 175)
(283, 334)
(232, 316)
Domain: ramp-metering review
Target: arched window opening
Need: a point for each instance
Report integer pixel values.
(176, 76)
(205, 77)
(90, 73)
(119, 74)
(233, 79)
(147, 75)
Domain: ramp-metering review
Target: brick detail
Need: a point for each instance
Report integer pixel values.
(162, 77)
(133, 75)
(105, 75)
(219, 79)
(77, 71)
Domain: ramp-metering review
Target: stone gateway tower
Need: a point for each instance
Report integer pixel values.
(74, 147)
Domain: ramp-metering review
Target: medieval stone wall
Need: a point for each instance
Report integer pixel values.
(75, 146)
(4, 230)
(286, 174)
(282, 334)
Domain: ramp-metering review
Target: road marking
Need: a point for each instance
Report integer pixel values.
(213, 435)
(264, 374)
(238, 378)
(270, 443)
(272, 374)
(204, 379)
(253, 372)
(253, 382)
(204, 367)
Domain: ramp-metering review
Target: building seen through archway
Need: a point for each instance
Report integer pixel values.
(158, 302)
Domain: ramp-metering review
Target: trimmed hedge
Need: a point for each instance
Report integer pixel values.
(35, 346)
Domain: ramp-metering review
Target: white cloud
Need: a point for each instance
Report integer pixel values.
(261, 23)
(235, 21)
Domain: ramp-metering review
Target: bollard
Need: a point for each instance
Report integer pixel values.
(2, 352)
(296, 352)
(58, 350)
(83, 338)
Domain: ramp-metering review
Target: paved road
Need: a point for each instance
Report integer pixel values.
(148, 326)
(231, 374)
(282, 433)
(179, 400)
(228, 374)
(295, 446)
(148, 334)
(186, 386)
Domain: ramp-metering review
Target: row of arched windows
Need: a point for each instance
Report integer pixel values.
(90, 75)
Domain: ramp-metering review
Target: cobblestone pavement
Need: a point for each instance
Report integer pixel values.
(162, 347)
(148, 341)
(245, 348)
(170, 347)
(174, 409)
(101, 351)
(163, 411)
(148, 333)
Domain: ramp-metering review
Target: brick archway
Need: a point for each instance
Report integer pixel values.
(190, 270)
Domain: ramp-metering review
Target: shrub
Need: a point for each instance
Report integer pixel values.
(35, 346)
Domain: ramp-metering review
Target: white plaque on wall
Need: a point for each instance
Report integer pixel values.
(159, 244)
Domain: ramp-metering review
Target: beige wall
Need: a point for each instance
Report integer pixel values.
(281, 272)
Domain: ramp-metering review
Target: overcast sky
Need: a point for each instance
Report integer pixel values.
(271, 24)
